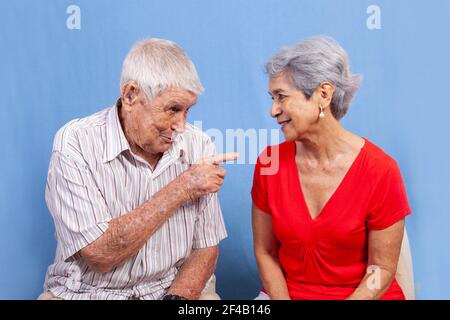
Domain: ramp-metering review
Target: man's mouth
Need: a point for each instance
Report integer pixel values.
(167, 139)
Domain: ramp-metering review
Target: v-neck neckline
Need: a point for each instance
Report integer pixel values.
(338, 188)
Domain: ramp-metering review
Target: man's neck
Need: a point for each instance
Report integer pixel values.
(151, 159)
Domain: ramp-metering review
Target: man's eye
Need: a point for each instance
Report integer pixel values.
(281, 97)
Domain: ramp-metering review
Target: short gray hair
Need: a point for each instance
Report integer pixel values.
(156, 64)
(314, 61)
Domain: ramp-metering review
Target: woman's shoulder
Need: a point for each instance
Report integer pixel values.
(377, 158)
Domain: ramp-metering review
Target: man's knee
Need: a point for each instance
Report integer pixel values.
(47, 295)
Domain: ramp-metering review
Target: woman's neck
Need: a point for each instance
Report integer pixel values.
(326, 142)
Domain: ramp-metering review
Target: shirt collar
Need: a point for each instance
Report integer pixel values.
(116, 142)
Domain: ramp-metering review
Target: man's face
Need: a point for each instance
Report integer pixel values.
(152, 125)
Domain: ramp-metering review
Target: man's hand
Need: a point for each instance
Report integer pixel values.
(205, 176)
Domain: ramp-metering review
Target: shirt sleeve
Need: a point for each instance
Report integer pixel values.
(390, 203)
(259, 188)
(209, 225)
(75, 203)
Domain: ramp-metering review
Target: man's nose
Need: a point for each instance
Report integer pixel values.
(275, 111)
(180, 123)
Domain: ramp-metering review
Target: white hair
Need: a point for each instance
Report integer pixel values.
(156, 64)
(314, 61)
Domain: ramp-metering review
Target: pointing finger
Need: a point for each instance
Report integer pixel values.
(220, 158)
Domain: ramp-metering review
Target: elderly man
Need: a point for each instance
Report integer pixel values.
(132, 189)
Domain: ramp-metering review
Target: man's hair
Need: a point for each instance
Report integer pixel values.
(156, 64)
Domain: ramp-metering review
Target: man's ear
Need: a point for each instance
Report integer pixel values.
(325, 92)
(130, 94)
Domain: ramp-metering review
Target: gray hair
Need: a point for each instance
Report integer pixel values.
(156, 64)
(314, 61)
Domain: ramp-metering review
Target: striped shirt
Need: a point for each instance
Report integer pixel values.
(94, 177)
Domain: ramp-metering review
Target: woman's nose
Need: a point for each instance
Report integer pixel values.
(275, 110)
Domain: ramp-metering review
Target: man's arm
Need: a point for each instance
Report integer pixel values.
(194, 273)
(127, 234)
(384, 250)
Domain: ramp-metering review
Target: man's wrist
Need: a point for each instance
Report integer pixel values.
(173, 297)
(180, 185)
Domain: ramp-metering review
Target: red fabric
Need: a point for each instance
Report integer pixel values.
(326, 258)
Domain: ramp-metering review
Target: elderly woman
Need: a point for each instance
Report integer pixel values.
(329, 222)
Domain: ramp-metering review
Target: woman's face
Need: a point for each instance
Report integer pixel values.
(293, 111)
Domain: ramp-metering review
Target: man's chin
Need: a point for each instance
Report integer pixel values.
(163, 147)
(159, 149)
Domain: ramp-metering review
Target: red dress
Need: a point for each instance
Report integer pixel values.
(326, 258)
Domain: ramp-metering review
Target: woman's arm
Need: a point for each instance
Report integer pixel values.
(266, 248)
(384, 250)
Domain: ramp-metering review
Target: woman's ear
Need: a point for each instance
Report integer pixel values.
(130, 94)
(325, 93)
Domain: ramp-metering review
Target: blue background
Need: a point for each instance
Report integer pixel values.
(50, 74)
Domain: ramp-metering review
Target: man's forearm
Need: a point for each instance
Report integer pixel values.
(194, 273)
(128, 233)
